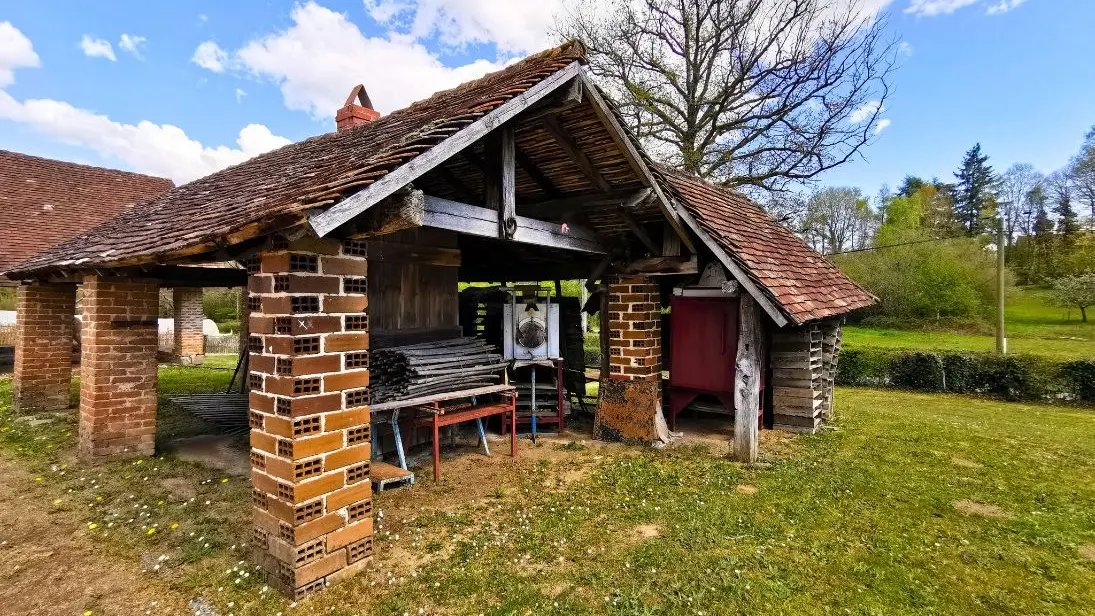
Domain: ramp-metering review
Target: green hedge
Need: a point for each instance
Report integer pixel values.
(1011, 377)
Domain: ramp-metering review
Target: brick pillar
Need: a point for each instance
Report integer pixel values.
(310, 436)
(630, 401)
(43, 347)
(635, 332)
(189, 321)
(118, 368)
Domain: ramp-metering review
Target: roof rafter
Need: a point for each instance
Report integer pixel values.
(339, 213)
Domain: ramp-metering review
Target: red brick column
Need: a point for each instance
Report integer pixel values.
(630, 399)
(189, 318)
(43, 347)
(635, 333)
(118, 368)
(310, 438)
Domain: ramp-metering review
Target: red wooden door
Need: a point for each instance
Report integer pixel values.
(703, 343)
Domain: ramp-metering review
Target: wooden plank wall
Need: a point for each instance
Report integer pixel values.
(803, 372)
(411, 296)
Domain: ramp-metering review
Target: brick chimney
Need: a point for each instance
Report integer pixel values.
(351, 114)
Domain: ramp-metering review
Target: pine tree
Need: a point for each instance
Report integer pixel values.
(1036, 201)
(1067, 220)
(974, 187)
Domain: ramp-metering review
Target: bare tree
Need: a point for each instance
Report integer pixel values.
(752, 93)
(1082, 170)
(1015, 184)
(835, 219)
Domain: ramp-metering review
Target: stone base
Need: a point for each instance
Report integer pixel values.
(629, 411)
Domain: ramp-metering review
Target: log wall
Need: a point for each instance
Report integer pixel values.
(803, 372)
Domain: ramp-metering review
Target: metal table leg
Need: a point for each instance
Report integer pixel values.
(399, 442)
(482, 436)
(533, 369)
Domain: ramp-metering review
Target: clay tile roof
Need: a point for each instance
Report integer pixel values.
(45, 201)
(806, 285)
(277, 188)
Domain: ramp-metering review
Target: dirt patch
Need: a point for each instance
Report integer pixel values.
(1087, 552)
(966, 463)
(746, 489)
(969, 507)
(646, 532)
(46, 569)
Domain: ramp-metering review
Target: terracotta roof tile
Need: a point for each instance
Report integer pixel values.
(277, 188)
(806, 285)
(45, 201)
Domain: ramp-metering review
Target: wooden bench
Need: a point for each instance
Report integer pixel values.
(440, 415)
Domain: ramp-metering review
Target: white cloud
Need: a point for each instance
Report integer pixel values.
(1003, 7)
(16, 51)
(904, 48)
(865, 112)
(513, 26)
(240, 94)
(133, 44)
(97, 48)
(147, 147)
(323, 55)
(210, 56)
(882, 125)
(930, 8)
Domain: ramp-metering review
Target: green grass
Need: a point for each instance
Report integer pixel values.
(856, 520)
(1033, 326)
(859, 520)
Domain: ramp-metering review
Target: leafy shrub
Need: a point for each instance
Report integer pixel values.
(934, 282)
(1011, 377)
(1081, 375)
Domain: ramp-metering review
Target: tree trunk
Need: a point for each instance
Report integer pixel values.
(1083, 314)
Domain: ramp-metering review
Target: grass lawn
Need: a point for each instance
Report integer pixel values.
(913, 504)
(1034, 326)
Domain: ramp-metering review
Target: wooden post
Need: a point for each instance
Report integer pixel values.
(604, 320)
(749, 365)
(502, 187)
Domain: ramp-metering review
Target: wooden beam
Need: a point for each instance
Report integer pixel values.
(402, 210)
(481, 221)
(186, 277)
(631, 153)
(639, 198)
(398, 252)
(639, 231)
(474, 270)
(565, 204)
(330, 219)
(661, 266)
(598, 273)
(555, 129)
(735, 270)
(571, 97)
(544, 182)
(748, 371)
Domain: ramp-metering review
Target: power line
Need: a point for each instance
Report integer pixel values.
(934, 239)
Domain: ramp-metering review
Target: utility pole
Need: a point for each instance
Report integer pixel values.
(1001, 338)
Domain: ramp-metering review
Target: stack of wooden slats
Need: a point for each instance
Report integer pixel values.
(798, 378)
(831, 335)
(417, 370)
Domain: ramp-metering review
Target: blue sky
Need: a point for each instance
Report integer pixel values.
(195, 86)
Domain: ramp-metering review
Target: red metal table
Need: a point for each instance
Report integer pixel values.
(440, 416)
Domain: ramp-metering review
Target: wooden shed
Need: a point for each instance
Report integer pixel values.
(353, 242)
